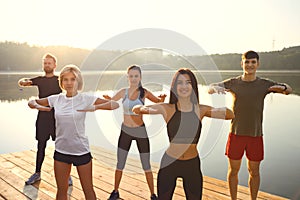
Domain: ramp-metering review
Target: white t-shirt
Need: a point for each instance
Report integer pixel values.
(70, 124)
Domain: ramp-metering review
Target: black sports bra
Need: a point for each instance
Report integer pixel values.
(184, 127)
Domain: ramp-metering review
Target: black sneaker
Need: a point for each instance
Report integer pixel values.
(114, 195)
(153, 197)
(70, 181)
(33, 178)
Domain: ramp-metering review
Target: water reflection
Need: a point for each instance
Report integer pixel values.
(10, 90)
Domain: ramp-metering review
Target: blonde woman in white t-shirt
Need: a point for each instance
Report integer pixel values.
(71, 144)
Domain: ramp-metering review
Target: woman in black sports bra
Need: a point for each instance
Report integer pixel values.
(183, 115)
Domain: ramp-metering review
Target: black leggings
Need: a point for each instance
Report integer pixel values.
(188, 170)
(139, 134)
(40, 154)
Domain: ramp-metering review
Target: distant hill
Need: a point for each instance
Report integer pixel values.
(23, 57)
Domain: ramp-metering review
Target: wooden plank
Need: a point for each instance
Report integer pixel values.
(47, 184)
(243, 192)
(16, 184)
(178, 193)
(133, 180)
(129, 188)
(76, 192)
(7, 191)
(16, 167)
(212, 187)
(18, 174)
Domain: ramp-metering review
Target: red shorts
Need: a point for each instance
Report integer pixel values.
(237, 145)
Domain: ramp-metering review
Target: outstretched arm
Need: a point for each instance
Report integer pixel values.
(281, 88)
(153, 98)
(25, 82)
(158, 108)
(104, 104)
(40, 104)
(106, 97)
(218, 113)
(101, 104)
(120, 94)
(216, 88)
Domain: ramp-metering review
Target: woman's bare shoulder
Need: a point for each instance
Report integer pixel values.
(164, 106)
(203, 106)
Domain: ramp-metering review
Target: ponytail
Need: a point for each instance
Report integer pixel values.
(142, 90)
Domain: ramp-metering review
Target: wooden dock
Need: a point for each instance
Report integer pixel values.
(15, 168)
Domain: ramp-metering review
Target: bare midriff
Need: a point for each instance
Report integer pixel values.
(133, 120)
(182, 151)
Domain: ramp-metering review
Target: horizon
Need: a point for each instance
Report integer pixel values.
(75, 47)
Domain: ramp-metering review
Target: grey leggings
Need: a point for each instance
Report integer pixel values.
(139, 134)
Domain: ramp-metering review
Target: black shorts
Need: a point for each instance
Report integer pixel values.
(73, 159)
(45, 126)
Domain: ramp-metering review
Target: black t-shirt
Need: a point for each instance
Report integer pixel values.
(45, 123)
(46, 85)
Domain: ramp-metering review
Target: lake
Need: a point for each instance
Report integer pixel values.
(279, 171)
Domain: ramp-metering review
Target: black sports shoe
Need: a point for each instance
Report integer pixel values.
(114, 195)
(33, 178)
(153, 197)
(70, 181)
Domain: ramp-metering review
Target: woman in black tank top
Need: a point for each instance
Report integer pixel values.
(183, 115)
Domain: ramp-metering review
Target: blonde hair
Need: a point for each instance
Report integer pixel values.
(49, 55)
(77, 73)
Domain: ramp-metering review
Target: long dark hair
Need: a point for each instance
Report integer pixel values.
(173, 92)
(140, 88)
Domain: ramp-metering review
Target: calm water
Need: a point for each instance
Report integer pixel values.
(279, 171)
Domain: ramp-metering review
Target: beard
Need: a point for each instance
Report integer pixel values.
(48, 70)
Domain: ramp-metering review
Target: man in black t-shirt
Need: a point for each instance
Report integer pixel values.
(45, 124)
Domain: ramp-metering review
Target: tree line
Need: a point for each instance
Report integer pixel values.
(24, 57)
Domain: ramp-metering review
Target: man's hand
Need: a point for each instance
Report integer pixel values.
(217, 89)
(25, 82)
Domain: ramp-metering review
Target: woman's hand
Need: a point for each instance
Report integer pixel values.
(140, 109)
(137, 109)
(106, 97)
(90, 108)
(162, 97)
(34, 105)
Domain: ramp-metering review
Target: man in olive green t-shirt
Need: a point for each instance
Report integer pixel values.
(246, 133)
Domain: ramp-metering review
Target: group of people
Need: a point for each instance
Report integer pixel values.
(62, 115)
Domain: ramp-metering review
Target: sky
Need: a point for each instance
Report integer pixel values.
(217, 26)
